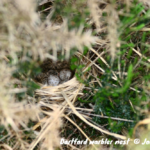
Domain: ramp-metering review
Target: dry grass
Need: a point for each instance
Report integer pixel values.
(24, 37)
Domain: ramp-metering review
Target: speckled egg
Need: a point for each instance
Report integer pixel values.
(53, 80)
(65, 74)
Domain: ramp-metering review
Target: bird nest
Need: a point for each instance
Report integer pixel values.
(56, 80)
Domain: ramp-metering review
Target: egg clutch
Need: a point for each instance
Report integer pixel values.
(54, 73)
(57, 78)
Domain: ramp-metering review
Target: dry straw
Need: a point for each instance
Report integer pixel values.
(21, 29)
